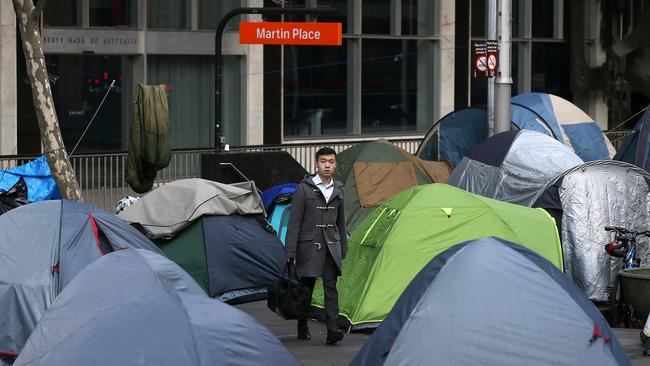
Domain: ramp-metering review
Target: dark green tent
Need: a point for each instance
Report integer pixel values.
(216, 232)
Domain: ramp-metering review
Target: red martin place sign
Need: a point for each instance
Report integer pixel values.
(290, 33)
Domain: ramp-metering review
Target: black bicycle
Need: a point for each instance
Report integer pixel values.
(623, 246)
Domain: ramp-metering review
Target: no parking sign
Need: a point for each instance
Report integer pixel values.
(485, 60)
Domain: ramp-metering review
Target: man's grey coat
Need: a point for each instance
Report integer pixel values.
(316, 226)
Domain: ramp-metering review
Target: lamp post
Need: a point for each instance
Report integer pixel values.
(218, 58)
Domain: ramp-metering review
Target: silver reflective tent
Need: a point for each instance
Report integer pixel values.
(137, 307)
(492, 302)
(583, 201)
(512, 166)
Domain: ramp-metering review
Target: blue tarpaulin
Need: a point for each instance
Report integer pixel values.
(40, 184)
(276, 191)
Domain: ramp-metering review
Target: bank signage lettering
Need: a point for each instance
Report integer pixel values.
(290, 33)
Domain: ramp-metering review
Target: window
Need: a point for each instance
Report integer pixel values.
(376, 17)
(389, 85)
(343, 7)
(543, 18)
(168, 14)
(211, 12)
(79, 83)
(189, 83)
(113, 13)
(550, 69)
(55, 15)
(479, 18)
(315, 89)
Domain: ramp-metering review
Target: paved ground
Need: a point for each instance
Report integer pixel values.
(629, 339)
(309, 353)
(316, 353)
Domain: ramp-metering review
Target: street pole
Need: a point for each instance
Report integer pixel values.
(503, 82)
(491, 35)
(218, 57)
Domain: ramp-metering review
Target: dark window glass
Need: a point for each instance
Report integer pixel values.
(211, 12)
(344, 9)
(376, 17)
(79, 83)
(479, 18)
(389, 86)
(542, 19)
(168, 14)
(55, 15)
(516, 21)
(515, 68)
(550, 69)
(417, 17)
(479, 91)
(315, 89)
(189, 81)
(113, 13)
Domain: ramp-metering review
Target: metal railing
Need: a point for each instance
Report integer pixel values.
(102, 180)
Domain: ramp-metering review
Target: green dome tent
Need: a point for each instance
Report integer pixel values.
(401, 236)
(375, 171)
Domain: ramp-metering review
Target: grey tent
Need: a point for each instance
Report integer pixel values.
(512, 166)
(583, 201)
(215, 232)
(43, 246)
(136, 307)
(492, 302)
(167, 210)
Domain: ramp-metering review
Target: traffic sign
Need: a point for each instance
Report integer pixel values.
(492, 62)
(481, 63)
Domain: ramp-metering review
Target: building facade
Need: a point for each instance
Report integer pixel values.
(403, 65)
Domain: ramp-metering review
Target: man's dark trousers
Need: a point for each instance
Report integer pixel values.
(330, 275)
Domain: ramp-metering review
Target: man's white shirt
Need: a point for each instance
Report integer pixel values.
(326, 189)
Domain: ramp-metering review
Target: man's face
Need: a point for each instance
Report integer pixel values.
(326, 165)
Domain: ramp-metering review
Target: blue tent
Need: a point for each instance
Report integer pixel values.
(135, 307)
(636, 148)
(43, 246)
(456, 134)
(36, 174)
(567, 123)
(277, 202)
(492, 302)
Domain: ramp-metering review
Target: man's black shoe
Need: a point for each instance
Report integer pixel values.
(333, 336)
(303, 333)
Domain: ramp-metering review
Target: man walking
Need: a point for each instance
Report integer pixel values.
(316, 237)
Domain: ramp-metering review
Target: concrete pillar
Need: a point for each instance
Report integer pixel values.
(425, 73)
(253, 88)
(444, 63)
(8, 86)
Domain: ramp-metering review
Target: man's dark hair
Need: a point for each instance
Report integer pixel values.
(325, 151)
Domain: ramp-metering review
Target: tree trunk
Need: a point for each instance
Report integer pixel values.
(54, 149)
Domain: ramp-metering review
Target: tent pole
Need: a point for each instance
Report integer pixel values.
(491, 35)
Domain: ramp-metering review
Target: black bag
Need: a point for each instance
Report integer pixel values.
(287, 298)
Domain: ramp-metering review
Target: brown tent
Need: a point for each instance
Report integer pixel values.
(375, 171)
